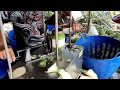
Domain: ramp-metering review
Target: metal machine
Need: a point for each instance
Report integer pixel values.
(30, 64)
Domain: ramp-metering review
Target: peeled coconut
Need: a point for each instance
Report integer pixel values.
(85, 77)
(91, 74)
(19, 72)
(63, 74)
(52, 69)
(42, 63)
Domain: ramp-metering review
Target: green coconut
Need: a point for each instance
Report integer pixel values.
(60, 36)
(111, 35)
(50, 58)
(42, 63)
(109, 32)
(102, 32)
(34, 56)
(117, 35)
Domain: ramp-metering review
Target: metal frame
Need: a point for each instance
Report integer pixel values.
(56, 25)
(56, 30)
(70, 29)
(6, 48)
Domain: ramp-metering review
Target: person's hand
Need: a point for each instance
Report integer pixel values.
(76, 27)
(3, 55)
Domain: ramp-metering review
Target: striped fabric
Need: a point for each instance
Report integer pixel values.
(31, 25)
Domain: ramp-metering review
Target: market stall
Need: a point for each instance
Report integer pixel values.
(71, 56)
(33, 63)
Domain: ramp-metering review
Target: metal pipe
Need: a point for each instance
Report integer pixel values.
(23, 50)
(56, 27)
(44, 25)
(70, 29)
(6, 47)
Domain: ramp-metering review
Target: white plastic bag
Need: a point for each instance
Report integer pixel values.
(92, 31)
(8, 26)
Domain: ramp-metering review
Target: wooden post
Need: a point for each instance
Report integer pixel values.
(89, 21)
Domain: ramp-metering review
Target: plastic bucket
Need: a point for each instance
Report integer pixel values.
(100, 54)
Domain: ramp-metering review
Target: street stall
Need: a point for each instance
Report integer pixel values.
(36, 65)
(68, 55)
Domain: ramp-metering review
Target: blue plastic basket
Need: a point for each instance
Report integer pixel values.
(101, 54)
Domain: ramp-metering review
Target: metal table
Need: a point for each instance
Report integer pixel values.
(33, 71)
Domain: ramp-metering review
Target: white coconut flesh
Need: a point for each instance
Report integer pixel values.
(19, 72)
(85, 77)
(53, 68)
(91, 74)
(63, 74)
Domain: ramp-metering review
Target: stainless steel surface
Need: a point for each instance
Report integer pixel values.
(36, 72)
(44, 25)
(28, 55)
(41, 56)
(56, 27)
(75, 66)
(70, 29)
(6, 48)
(33, 71)
(32, 68)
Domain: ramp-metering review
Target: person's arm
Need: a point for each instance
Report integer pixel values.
(3, 55)
(64, 14)
(1, 43)
(75, 26)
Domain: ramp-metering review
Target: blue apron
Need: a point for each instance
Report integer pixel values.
(3, 68)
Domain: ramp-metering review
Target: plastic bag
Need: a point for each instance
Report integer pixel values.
(92, 31)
